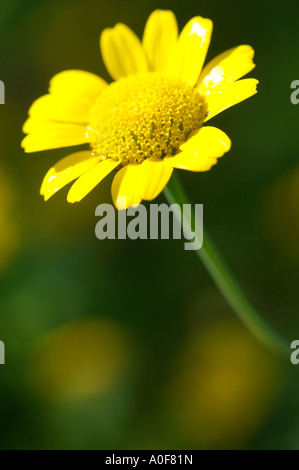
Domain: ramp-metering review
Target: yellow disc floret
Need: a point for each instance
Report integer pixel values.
(144, 115)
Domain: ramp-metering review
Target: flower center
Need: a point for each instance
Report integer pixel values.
(144, 115)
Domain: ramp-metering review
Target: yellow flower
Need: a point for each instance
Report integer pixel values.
(150, 120)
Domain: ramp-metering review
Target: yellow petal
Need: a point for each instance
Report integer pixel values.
(229, 95)
(90, 180)
(201, 151)
(65, 171)
(77, 83)
(153, 176)
(125, 187)
(122, 52)
(61, 108)
(159, 38)
(226, 67)
(190, 52)
(60, 135)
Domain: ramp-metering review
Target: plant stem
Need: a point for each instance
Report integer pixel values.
(224, 279)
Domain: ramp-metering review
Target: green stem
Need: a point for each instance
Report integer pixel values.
(224, 279)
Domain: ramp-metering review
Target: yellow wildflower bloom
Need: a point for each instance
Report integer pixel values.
(149, 120)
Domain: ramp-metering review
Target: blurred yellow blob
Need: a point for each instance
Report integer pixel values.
(9, 237)
(81, 359)
(280, 213)
(225, 385)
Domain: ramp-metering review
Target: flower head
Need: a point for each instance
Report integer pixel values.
(147, 122)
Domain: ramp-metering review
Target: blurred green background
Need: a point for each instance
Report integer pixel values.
(128, 344)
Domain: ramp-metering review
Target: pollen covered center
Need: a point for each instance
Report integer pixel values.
(144, 115)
